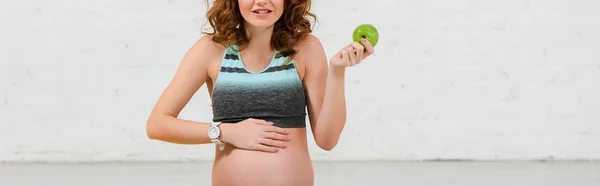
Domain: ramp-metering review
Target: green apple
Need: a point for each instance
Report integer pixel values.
(366, 31)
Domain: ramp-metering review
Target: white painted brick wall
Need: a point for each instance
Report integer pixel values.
(466, 79)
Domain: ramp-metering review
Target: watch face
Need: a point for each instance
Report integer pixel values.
(213, 132)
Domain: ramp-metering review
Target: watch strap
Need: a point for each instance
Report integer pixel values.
(216, 141)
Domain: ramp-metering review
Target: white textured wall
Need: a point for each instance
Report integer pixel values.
(451, 79)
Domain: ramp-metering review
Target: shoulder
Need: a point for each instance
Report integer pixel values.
(310, 51)
(206, 46)
(204, 51)
(308, 44)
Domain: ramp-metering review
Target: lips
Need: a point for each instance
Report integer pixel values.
(262, 11)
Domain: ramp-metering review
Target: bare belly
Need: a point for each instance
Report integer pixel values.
(291, 166)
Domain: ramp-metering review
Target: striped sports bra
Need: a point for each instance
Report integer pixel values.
(274, 94)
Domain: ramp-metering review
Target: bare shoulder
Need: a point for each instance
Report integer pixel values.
(206, 48)
(310, 52)
(309, 40)
(309, 45)
(202, 56)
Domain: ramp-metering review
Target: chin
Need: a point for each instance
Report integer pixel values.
(260, 24)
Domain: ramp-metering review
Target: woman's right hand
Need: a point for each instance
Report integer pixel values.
(255, 134)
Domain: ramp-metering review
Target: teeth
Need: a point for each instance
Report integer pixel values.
(262, 11)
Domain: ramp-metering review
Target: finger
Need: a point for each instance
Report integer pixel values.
(276, 136)
(262, 122)
(368, 47)
(265, 148)
(345, 55)
(274, 143)
(360, 50)
(352, 56)
(276, 130)
(342, 52)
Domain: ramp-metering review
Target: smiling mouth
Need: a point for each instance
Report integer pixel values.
(263, 11)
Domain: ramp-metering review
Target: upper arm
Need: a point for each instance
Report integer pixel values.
(312, 56)
(190, 75)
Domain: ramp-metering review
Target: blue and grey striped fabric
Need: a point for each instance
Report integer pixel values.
(274, 94)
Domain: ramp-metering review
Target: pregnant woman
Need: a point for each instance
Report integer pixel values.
(263, 69)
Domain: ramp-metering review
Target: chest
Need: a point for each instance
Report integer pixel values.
(215, 67)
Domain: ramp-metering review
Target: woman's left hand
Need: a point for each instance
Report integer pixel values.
(352, 54)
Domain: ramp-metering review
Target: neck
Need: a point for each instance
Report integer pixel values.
(260, 39)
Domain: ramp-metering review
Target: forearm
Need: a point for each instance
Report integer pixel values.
(332, 117)
(170, 129)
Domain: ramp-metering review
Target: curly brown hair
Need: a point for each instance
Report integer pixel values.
(228, 28)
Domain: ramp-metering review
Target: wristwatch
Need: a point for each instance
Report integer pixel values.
(214, 132)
